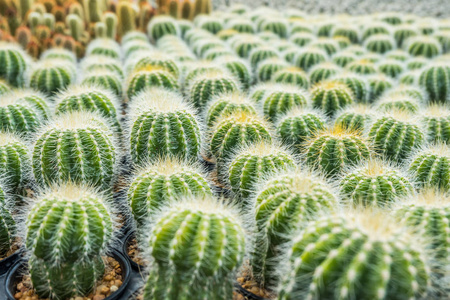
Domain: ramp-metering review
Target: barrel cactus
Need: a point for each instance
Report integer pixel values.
(333, 150)
(380, 43)
(59, 53)
(292, 75)
(423, 46)
(374, 29)
(162, 124)
(267, 69)
(52, 76)
(161, 26)
(104, 47)
(34, 99)
(357, 117)
(391, 68)
(388, 254)
(430, 167)
(260, 54)
(67, 247)
(105, 79)
(344, 58)
(156, 61)
(224, 104)
(279, 102)
(435, 79)
(435, 120)
(357, 84)
(378, 85)
(4, 88)
(362, 67)
(239, 68)
(398, 102)
(19, 115)
(310, 57)
(159, 184)
(302, 39)
(395, 135)
(77, 146)
(403, 32)
(203, 237)
(150, 77)
(323, 71)
(96, 63)
(14, 62)
(375, 183)
(8, 227)
(282, 206)
(330, 96)
(276, 25)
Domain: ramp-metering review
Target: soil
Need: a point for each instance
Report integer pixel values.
(134, 253)
(14, 248)
(110, 282)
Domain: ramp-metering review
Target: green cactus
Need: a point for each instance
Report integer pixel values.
(59, 53)
(133, 36)
(310, 57)
(51, 76)
(267, 68)
(430, 167)
(239, 68)
(89, 98)
(373, 57)
(259, 54)
(292, 75)
(162, 183)
(395, 135)
(302, 39)
(282, 206)
(160, 26)
(330, 96)
(323, 71)
(208, 84)
(348, 31)
(162, 124)
(110, 20)
(209, 23)
(342, 41)
(380, 43)
(77, 146)
(398, 102)
(14, 62)
(150, 77)
(375, 183)
(226, 103)
(385, 261)
(357, 84)
(362, 67)
(97, 62)
(8, 230)
(356, 117)
(275, 25)
(378, 85)
(435, 79)
(329, 45)
(245, 44)
(4, 88)
(417, 63)
(409, 91)
(104, 79)
(241, 25)
(196, 246)
(68, 228)
(157, 60)
(343, 59)
(333, 150)
(435, 120)
(372, 29)
(391, 68)
(424, 46)
(104, 47)
(279, 102)
(403, 32)
(126, 18)
(398, 55)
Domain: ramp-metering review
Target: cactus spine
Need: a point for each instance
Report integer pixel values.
(436, 122)
(356, 117)
(435, 79)
(19, 115)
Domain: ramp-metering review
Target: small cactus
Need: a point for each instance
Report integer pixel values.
(4, 88)
(343, 59)
(8, 230)
(357, 84)
(246, 45)
(375, 183)
(362, 67)
(241, 25)
(380, 43)
(329, 45)
(105, 79)
(157, 60)
(430, 167)
(259, 54)
(330, 96)
(333, 150)
(210, 24)
(398, 102)
(51, 76)
(323, 71)
(203, 237)
(348, 31)
(372, 29)
(269, 67)
(302, 39)
(160, 26)
(391, 68)
(239, 68)
(161, 183)
(395, 135)
(97, 62)
(19, 115)
(77, 146)
(275, 25)
(378, 85)
(388, 254)
(282, 206)
(162, 124)
(435, 79)
(310, 57)
(33, 99)
(356, 117)
(403, 32)
(423, 46)
(57, 53)
(224, 104)
(279, 102)
(104, 47)
(150, 77)
(435, 120)
(292, 75)
(14, 62)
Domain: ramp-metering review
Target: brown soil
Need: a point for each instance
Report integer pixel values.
(14, 248)
(110, 282)
(134, 253)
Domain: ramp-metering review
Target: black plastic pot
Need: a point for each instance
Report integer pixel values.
(135, 266)
(15, 274)
(247, 295)
(209, 166)
(8, 262)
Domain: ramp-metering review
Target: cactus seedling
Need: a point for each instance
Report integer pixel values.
(436, 122)
(279, 102)
(330, 96)
(435, 79)
(285, 204)
(198, 237)
(14, 62)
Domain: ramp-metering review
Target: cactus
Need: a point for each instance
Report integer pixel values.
(104, 47)
(329, 45)
(133, 36)
(210, 83)
(241, 25)
(436, 123)
(323, 71)
(104, 79)
(333, 150)
(110, 20)
(150, 77)
(203, 237)
(362, 67)
(161, 183)
(14, 62)
(395, 135)
(381, 251)
(302, 39)
(435, 79)
(380, 43)
(260, 54)
(391, 68)
(89, 98)
(309, 57)
(226, 103)
(398, 102)
(357, 84)
(203, 7)
(96, 62)
(157, 60)
(430, 167)
(269, 67)
(398, 55)
(210, 24)
(186, 10)
(372, 29)
(68, 228)
(282, 206)
(279, 102)
(409, 91)
(131, 48)
(331, 96)
(77, 146)
(58, 53)
(343, 59)
(75, 25)
(160, 26)
(34, 100)
(348, 31)
(239, 68)
(424, 46)
(356, 117)
(342, 41)
(275, 25)
(375, 183)
(253, 162)
(246, 45)
(50, 76)
(162, 124)
(292, 75)
(200, 67)
(378, 85)
(126, 18)
(402, 33)
(4, 88)
(8, 230)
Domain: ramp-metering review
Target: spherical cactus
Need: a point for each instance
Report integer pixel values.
(276, 25)
(373, 29)
(357, 84)
(329, 45)
(403, 32)
(200, 236)
(68, 228)
(435, 79)
(15, 163)
(322, 266)
(134, 47)
(51, 76)
(282, 206)
(435, 120)
(398, 102)
(33, 99)
(14, 62)
(252, 163)
(417, 63)
(398, 55)
(239, 68)
(302, 39)
(160, 26)
(269, 67)
(150, 77)
(77, 146)
(391, 68)
(59, 53)
(373, 57)
(258, 55)
(292, 75)
(375, 183)
(205, 86)
(105, 79)
(4, 88)
(323, 71)
(378, 85)
(408, 91)
(279, 102)
(134, 36)
(380, 43)
(343, 59)
(89, 98)
(209, 23)
(310, 57)
(104, 47)
(395, 135)
(157, 60)
(157, 185)
(241, 25)
(357, 117)
(95, 63)
(348, 31)
(162, 124)
(259, 92)
(226, 103)
(423, 46)
(330, 96)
